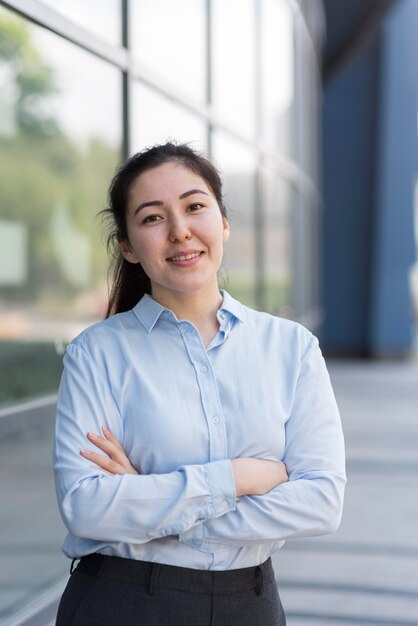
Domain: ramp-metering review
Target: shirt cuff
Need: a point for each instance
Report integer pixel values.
(221, 483)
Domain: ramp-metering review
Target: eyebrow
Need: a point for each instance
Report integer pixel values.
(186, 194)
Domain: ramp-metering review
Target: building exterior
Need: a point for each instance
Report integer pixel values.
(370, 163)
(308, 107)
(84, 84)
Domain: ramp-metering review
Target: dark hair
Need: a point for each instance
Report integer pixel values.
(128, 280)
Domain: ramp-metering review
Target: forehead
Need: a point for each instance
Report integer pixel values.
(165, 180)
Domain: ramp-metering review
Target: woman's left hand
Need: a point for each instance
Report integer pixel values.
(116, 461)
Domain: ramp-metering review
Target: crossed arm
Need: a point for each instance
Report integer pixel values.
(251, 476)
(197, 502)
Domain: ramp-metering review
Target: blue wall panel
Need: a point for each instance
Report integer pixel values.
(370, 169)
(391, 320)
(349, 137)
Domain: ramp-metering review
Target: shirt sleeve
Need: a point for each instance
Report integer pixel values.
(123, 508)
(311, 502)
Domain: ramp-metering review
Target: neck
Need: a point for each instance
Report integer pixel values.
(199, 307)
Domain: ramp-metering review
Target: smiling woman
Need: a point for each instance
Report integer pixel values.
(178, 239)
(178, 409)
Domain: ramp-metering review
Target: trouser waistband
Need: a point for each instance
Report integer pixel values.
(181, 578)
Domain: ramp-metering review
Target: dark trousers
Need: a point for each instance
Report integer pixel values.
(111, 591)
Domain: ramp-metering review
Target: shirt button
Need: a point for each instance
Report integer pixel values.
(222, 316)
(215, 419)
(203, 368)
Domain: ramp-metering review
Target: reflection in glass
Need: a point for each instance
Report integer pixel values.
(306, 259)
(237, 163)
(102, 17)
(59, 144)
(157, 119)
(277, 76)
(60, 139)
(233, 59)
(278, 201)
(308, 94)
(169, 38)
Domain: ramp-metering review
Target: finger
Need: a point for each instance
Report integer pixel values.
(116, 453)
(110, 437)
(101, 468)
(113, 450)
(103, 462)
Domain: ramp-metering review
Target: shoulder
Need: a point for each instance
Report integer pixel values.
(287, 332)
(104, 336)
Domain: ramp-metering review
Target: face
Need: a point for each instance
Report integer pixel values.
(175, 230)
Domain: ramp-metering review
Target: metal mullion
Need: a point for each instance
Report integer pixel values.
(126, 84)
(259, 199)
(209, 70)
(44, 16)
(297, 11)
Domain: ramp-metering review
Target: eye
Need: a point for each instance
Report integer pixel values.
(150, 219)
(195, 206)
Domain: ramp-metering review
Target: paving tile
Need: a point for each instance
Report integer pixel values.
(366, 573)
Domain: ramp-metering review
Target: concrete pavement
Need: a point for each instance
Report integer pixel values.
(365, 574)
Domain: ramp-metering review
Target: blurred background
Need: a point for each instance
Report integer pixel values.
(309, 108)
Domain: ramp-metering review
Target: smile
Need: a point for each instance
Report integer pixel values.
(185, 257)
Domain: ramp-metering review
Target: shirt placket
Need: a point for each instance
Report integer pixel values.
(208, 388)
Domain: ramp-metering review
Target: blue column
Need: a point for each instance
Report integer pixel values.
(391, 320)
(349, 132)
(370, 168)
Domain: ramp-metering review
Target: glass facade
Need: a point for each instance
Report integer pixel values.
(233, 55)
(278, 77)
(156, 119)
(58, 150)
(238, 79)
(238, 164)
(169, 39)
(102, 18)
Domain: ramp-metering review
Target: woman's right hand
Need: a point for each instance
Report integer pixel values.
(255, 477)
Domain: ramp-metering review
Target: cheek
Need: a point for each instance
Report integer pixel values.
(147, 250)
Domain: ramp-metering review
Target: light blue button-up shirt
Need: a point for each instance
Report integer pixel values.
(181, 412)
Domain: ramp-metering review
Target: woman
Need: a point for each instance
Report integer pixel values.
(194, 435)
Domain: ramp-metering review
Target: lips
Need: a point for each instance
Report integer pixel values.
(185, 256)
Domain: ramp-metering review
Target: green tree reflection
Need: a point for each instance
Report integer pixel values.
(40, 166)
(45, 174)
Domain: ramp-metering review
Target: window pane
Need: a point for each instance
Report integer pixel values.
(169, 38)
(233, 56)
(101, 17)
(277, 76)
(157, 119)
(60, 138)
(306, 240)
(308, 95)
(238, 163)
(278, 200)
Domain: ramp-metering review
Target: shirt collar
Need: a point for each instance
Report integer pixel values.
(148, 310)
(231, 306)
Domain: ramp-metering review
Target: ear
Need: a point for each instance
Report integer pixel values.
(127, 252)
(225, 234)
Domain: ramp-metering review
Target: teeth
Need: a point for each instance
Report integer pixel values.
(185, 258)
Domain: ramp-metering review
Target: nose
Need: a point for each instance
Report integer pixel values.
(179, 229)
